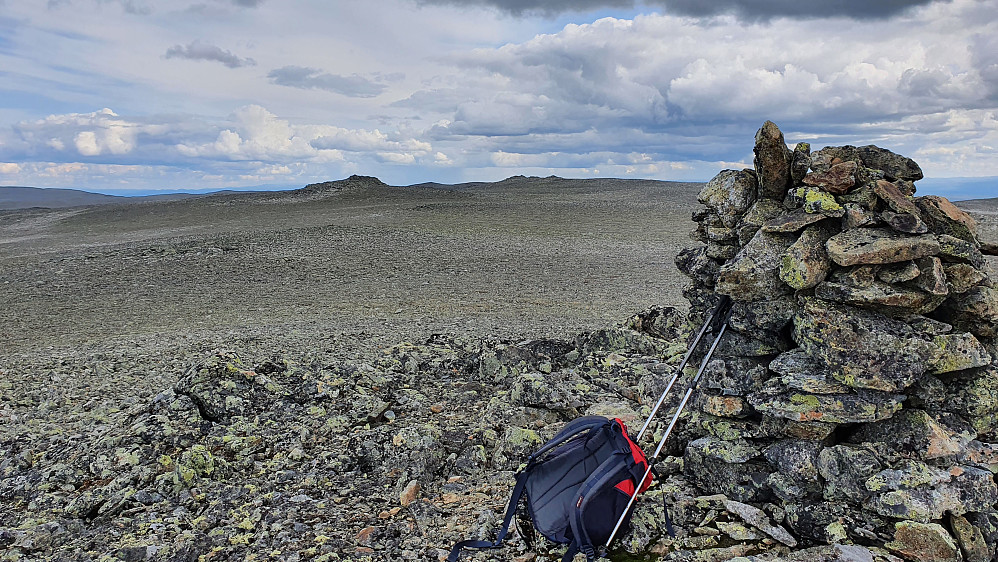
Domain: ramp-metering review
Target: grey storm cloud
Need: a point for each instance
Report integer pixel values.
(354, 86)
(198, 50)
(745, 9)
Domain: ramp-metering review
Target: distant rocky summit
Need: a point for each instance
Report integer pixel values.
(850, 414)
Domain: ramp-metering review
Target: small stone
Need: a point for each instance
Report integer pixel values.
(410, 493)
(794, 221)
(772, 162)
(800, 161)
(845, 471)
(944, 217)
(838, 179)
(923, 542)
(932, 277)
(904, 222)
(897, 201)
(894, 166)
(859, 407)
(975, 311)
(962, 277)
(737, 531)
(723, 406)
(758, 214)
(820, 202)
(698, 266)
(856, 216)
(970, 539)
(877, 295)
(721, 252)
(957, 352)
(806, 263)
(758, 519)
(365, 536)
(864, 197)
(912, 434)
(953, 249)
(437, 408)
(898, 273)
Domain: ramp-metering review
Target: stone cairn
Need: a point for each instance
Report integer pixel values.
(857, 390)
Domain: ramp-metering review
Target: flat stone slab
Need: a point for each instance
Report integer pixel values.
(879, 246)
(876, 295)
(858, 407)
(794, 221)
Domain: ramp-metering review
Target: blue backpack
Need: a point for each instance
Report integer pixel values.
(580, 486)
(577, 487)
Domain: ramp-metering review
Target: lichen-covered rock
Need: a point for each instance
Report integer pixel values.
(956, 352)
(841, 337)
(857, 407)
(729, 194)
(845, 471)
(772, 161)
(899, 272)
(753, 274)
(856, 216)
(817, 201)
(924, 542)
(975, 311)
(974, 395)
(879, 246)
(727, 467)
(697, 265)
(931, 276)
(961, 277)
(805, 372)
(806, 263)
(772, 315)
(908, 223)
(761, 212)
(838, 178)
(944, 217)
(912, 434)
(800, 161)
(878, 295)
(959, 490)
(957, 250)
(794, 221)
(970, 539)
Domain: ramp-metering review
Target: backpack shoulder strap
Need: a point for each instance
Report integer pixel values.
(574, 427)
(606, 473)
(521, 481)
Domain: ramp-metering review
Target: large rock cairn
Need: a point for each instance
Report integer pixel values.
(857, 391)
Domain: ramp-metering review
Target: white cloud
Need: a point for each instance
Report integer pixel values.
(86, 143)
(9, 168)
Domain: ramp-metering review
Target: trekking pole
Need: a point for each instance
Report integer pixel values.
(675, 418)
(725, 299)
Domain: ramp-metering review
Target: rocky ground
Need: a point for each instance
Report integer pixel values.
(257, 376)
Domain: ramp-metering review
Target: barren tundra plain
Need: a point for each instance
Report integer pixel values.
(104, 310)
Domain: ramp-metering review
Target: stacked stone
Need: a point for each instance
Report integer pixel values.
(857, 390)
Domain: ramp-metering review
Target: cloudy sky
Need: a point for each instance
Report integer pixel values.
(112, 95)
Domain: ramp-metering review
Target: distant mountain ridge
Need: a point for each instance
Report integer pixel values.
(16, 197)
(19, 197)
